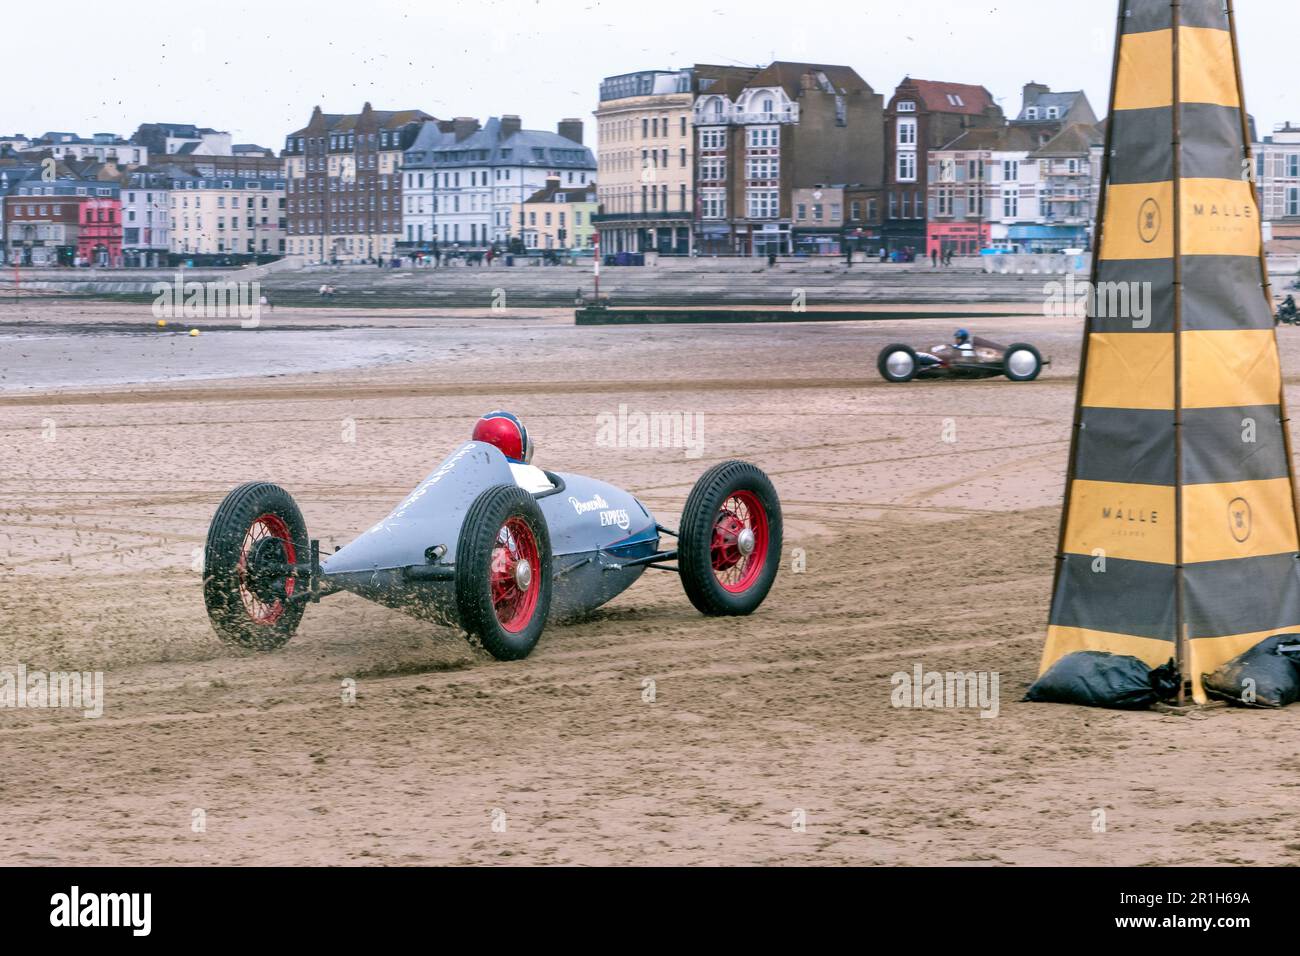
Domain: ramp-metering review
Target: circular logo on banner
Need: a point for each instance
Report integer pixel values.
(1149, 221)
(1239, 519)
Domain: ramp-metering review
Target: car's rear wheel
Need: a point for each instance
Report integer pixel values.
(1023, 363)
(503, 572)
(256, 542)
(897, 363)
(730, 545)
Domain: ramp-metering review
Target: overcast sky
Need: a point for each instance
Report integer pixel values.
(257, 69)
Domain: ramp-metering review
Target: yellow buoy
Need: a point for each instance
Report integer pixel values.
(162, 323)
(194, 332)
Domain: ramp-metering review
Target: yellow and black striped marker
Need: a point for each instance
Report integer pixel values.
(1179, 534)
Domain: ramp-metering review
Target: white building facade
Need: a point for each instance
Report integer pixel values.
(461, 179)
(1277, 174)
(146, 218)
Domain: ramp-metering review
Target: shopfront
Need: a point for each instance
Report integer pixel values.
(957, 238)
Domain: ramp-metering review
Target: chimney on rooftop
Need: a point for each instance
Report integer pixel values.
(510, 124)
(464, 126)
(570, 129)
(1032, 92)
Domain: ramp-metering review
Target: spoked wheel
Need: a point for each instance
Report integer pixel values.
(503, 572)
(255, 542)
(730, 545)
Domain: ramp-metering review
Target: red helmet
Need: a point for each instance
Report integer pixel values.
(507, 433)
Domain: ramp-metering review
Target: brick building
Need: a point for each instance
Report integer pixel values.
(760, 137)
(922, 116)
(344, 183)
(45, 222)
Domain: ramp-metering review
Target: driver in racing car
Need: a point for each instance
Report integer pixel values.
(962, 341)
(505, 432)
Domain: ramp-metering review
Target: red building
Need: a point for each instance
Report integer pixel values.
(99, 242)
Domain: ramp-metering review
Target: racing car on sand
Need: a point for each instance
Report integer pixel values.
(494, 546)
(966, 356)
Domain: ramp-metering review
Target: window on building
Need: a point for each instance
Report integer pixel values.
(762, 203)
(1010, 204)
(907, 167)
(711, 138)
(712, 170)
(907, 132)
(1293, 201)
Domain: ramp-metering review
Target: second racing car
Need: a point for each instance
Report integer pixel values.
(966, 356)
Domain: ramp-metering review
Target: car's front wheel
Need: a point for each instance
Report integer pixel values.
(730, 544)
(897, 363)
(1023, 363)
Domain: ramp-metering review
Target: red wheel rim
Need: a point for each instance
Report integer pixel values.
(742, 519)
(516, 586)
(265, 526)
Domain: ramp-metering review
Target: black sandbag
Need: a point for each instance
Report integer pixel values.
(1267, 669)
(1101, 679)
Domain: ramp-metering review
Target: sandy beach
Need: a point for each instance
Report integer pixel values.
(920, 526)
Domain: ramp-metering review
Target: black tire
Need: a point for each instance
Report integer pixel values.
(247, 605)
(1027, 376)
(883, 367)
(479, 532)
(695, 545)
